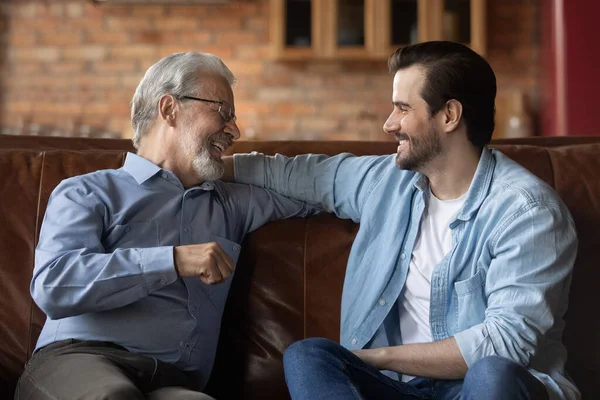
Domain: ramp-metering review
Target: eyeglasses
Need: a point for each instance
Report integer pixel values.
(224, 107)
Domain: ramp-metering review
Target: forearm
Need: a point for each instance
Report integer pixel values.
(437, 360)
(75, 283)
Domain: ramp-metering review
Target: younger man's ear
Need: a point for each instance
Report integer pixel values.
(452, 114)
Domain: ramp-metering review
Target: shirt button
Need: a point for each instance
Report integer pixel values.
(163, 281)
(236, 248)
(186, 229)
(381, 302)
(403, 256)
(127, 229)
(164, 175)
(186, 346)
(353, 341)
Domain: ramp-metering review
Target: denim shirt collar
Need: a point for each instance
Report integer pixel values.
(477, 191)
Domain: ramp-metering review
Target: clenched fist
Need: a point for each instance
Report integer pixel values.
(207, 261)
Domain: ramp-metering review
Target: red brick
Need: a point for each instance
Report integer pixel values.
(233, 22)
(176, 24)
(279, 94)
(21, 39)
(74, 10)
(188, 11)
(343, 109)
(95, 81)
(134, 51)
(221, 52)
(149, 37)
(245, 68)
(57, 108)
(259, 24)
(60, 39)
(252, 52)
(197, 38)
(27, 10)
(88, 52)
(47, 54)
(236, 38)
(148, 10)
(300, 108)
(115, 66)
(66, 67)
(107, 38)
(128, 23)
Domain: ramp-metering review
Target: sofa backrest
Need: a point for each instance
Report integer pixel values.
(289, 278)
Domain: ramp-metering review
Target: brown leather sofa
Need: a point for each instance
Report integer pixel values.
(289, 279)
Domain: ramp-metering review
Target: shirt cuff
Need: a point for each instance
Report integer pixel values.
(249, 168)
(158, 266)
(472, 343)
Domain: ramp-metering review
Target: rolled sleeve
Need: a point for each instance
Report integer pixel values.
(527, 284)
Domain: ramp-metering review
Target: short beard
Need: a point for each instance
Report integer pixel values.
(422, 151)
(206, 167)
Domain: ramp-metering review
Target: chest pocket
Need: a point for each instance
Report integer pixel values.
(218, 293)
(472, 303)
(134, 234)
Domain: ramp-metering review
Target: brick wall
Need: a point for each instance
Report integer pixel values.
(73, 66)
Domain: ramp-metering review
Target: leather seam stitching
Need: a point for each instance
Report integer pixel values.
(37, 222)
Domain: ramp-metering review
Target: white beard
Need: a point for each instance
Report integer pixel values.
(206, 167)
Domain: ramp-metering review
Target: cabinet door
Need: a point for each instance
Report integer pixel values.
(296, 28)
(349, 30)
(402, 22)
(461, 21)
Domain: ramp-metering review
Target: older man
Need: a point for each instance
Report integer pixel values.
(133, 265)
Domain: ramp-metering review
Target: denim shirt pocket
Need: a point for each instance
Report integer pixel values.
(471, 300)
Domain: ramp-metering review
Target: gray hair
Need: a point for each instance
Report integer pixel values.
(175, 74)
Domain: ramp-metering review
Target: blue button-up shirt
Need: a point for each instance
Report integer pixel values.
(501, 290)
(104, 267)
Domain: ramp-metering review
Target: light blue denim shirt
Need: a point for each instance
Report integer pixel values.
(104, 266)
(501, 290)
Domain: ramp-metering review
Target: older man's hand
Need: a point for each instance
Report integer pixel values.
(208, 261)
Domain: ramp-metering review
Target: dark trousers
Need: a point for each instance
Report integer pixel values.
(73, 369)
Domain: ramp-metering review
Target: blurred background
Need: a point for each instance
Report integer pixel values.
(306, 69)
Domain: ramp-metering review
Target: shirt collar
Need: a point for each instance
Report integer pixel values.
(479, 185)
(142, 169)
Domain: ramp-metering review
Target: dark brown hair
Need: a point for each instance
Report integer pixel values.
(454, 71)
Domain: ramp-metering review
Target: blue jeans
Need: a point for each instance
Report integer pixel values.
(321, 369)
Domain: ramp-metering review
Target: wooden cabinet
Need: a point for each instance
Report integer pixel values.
(370, 29)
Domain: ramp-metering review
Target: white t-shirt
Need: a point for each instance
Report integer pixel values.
(434, 241)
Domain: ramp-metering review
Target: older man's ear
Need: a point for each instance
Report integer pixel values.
(228, 174)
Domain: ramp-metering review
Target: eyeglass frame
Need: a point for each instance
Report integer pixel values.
(220, 110)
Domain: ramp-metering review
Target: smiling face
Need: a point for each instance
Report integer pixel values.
(204, 135)
(419, 141)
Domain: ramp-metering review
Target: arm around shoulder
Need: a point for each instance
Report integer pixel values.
(338, 184)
